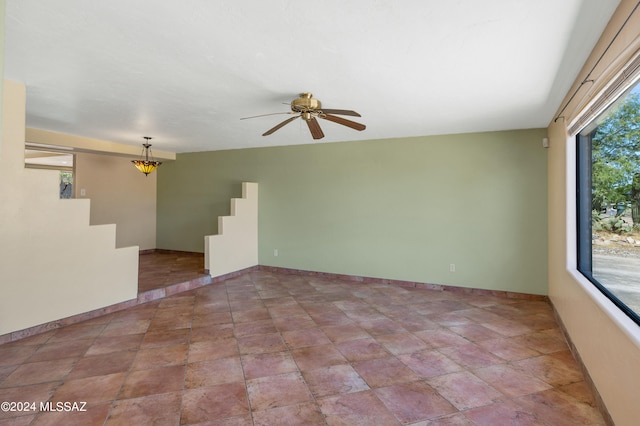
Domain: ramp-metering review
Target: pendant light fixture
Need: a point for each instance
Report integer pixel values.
(144, 164)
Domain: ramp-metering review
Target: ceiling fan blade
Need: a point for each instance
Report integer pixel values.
(284, 123)
(264, 115)
(341, 112)
(315, 129)
(343, 121)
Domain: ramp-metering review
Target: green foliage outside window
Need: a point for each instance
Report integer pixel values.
(66, 184)
(616, 158)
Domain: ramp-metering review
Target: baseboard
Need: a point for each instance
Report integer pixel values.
(157, 250)
(173, 289)
(143, 297)
(600, 405)
(409, 284)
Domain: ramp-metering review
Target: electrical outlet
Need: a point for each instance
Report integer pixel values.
(275, 252)
(452, 267)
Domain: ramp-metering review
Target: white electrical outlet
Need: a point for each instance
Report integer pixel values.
(452, 267)
(275, 252)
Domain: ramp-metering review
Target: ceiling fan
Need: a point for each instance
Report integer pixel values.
(310, 109)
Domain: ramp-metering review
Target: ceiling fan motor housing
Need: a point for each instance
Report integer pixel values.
(305, 103)
(309, 110)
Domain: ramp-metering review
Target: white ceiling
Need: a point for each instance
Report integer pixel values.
(185, 72)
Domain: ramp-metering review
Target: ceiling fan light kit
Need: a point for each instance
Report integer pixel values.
(310, 109)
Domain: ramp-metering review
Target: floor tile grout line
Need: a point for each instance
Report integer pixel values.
(127, 373)
(371, 389)
(288, 350)
(394, 356)
(470, 370)
(64, 379)
(186, 359)
(471, 342)
(302, 302)
(244, 377)
(397, 358)
(315, 400)
(507, 362)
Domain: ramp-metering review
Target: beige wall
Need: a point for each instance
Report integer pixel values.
(52, 263)
(2, 14)
(119, 194)
(608, 342)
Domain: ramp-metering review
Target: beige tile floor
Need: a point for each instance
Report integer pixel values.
(274, 349)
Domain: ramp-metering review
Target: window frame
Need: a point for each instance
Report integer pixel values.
(584, 242)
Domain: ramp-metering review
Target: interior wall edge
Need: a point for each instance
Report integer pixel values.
(605, 345)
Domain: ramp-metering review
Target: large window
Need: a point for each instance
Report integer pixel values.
(608, 202)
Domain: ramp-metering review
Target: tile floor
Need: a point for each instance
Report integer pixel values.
(161, 268)
(274, 349)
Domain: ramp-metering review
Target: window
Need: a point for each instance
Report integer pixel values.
(66, 184)
(53, 160)
(608, 202)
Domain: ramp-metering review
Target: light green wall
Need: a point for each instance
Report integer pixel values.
(401, 209)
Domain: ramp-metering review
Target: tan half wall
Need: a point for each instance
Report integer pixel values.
(236, 245)
(52, 263)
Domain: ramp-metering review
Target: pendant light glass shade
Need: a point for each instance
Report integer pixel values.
(146, 164)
